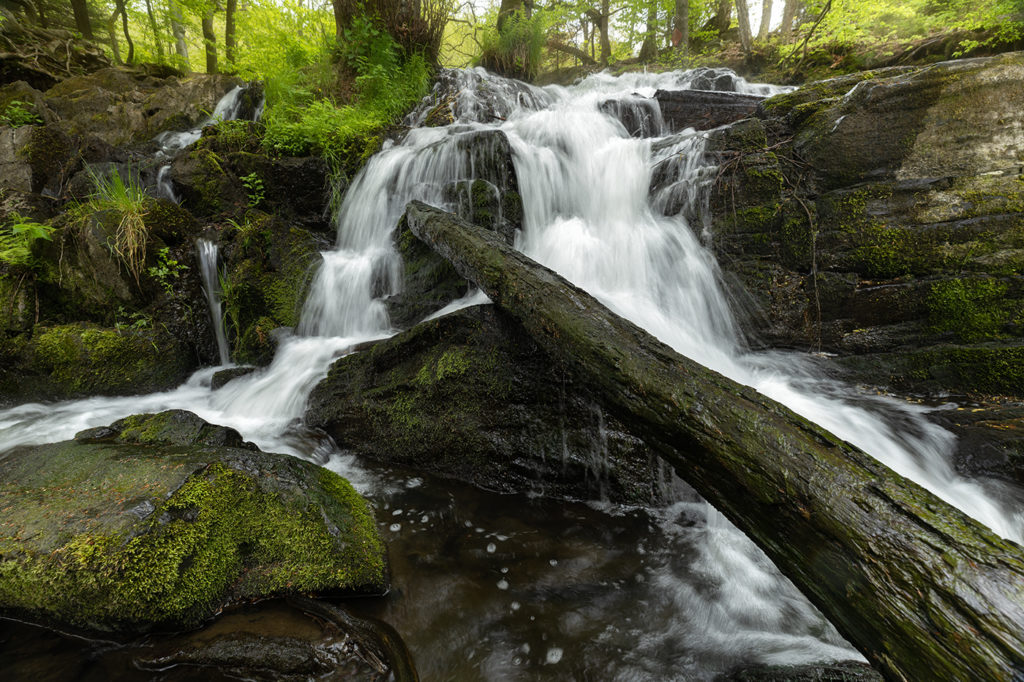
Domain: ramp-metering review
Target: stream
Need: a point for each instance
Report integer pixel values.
(519, 587)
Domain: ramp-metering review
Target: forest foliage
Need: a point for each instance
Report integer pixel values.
(339, 73)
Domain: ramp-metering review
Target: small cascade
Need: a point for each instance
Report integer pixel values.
(229, 108)
(211, 285)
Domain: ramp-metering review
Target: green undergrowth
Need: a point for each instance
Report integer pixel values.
(127, 200)
(309, 112)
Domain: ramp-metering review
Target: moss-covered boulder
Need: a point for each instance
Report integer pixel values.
(470, 396)
(161, 520)
(79, 360)
(269, 266)
(883, 213)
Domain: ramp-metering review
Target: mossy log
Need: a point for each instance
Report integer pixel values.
(923, 590)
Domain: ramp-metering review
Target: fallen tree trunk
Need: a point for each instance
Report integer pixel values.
(923, 590)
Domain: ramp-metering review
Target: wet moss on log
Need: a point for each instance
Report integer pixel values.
(924, 591)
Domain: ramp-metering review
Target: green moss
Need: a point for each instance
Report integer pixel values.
(973, 309)
(82, 359)
(219, 534)
(979, 370)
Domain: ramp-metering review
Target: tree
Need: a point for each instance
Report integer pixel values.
(178, 30)
(766, 19)
(681, 25)
(209, 40)
(723, 18)
(82, 23)
(649, 48)
(743, 19)
(157, 38)
(229, 31)
(789, 11)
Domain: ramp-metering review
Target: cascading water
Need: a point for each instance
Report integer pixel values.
(648, 594)
(229, 108)
(211, 286)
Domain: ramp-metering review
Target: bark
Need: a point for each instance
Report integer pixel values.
(924, 591)
(178, 29)
(600, 21)
(788, 15)
(112, 35)
(681, 25)
(210, 42)
(554, 44)
(649, 48)
(507, 9)
(124, 25)
(743, 19)
(766, 19)
(82, 23)
(229, 31)
(724, 17)
(157, 38)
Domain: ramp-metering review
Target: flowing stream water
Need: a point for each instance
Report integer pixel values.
(512, 587)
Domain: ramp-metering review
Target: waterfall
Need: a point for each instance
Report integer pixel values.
(588, 215)
(228, 108)
(211, 286)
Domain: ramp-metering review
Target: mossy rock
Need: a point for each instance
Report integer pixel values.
(270, 267)
(988, 369)
(80, 359)
(158, 521)
(470, 396)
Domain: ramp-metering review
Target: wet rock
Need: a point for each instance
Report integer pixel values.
(716, 79)
(990, 439)
(227, 524)
(469, 396)
(640, 116)
(77, 360)
(225, 375)
(847, 671)
(491, 200)
(472, 95)
(858, 223)
(703, 110)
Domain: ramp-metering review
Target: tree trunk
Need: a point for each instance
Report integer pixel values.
(229, 32)
(724, 17)
(559, 46)
(112, 35)
(924, 591)
(157, 38)
(124, 25)
(210, 42)
(788, 15)
(649, 48)
(766, 19)
(606, 43)
(743, 19)
(178, 29)
(507, 9)
(681, 25)
(82, 22)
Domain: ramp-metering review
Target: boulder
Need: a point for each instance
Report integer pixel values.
(881, 214)
(160, 520)
(489, 198)
(703, 110)
(470, 396)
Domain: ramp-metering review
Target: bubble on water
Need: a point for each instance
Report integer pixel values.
(554, 655)
(397, 512)
(491, 547)
(395, 527)
(502, 584)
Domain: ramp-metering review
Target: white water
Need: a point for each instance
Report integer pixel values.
(228, 108)
(587, 215)
(211, 287)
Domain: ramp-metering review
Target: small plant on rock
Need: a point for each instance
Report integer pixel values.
(127, 198)
(17, 238)
(17, 113)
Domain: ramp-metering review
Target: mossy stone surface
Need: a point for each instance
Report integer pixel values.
(470, 396)
(147, 524)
